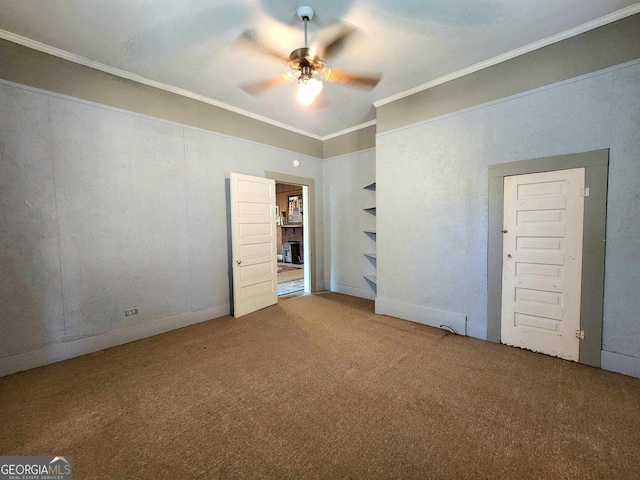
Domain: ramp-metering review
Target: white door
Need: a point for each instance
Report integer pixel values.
(542, 262)
(253, 238)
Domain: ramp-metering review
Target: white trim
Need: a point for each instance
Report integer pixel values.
(370, 123)
(72, 57)
(617, 362)
(354, 291)
(550, 86)
(351, 154)
(420, 314)
(149, 117)
(63, 351)
(598, 22)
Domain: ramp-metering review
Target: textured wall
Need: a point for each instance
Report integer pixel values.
(103, 210)
(30, 283)
(622, 271)
(433, 194)
(345, 222)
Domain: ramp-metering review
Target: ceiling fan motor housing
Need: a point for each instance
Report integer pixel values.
(305, 65)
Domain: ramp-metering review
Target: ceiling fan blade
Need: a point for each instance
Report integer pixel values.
(259, 87)
(294, 20)
(320, 102)
(337, 42)
(324, 23)
(248, 40)
(367, 82)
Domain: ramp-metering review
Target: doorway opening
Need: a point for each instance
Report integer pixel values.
(292, 239)
(306, 212)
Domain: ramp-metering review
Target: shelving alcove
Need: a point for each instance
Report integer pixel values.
(372, 280)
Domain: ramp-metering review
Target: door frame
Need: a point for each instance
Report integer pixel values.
(596, 165)
(310, 212)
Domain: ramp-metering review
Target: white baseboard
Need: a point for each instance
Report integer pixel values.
(476, 331)
(354, 291)
(617, 362)
(419, 314)
(63, 351)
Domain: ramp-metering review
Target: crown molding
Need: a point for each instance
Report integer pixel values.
(543, 88)
(72, 57)
(349, 130)
(27, 42)
(598, 22)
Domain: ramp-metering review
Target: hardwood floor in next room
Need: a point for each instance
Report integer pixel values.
(291, 280)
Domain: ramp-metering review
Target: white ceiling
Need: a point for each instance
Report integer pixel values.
(190, 43)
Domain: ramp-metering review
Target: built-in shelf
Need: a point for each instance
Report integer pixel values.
(371, 256)
(372, 278)
(291, 226)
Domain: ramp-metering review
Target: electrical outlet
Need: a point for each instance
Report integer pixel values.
(131, 311)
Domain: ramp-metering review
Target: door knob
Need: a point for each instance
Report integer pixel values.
(505, 231)
(238, 262)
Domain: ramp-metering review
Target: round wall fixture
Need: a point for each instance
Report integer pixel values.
(296, 163)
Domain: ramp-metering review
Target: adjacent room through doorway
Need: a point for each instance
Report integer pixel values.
(291, 251)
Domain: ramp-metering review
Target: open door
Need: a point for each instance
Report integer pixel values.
(253, 241)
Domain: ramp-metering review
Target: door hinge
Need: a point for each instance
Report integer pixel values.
(584, 192)
(580, 334)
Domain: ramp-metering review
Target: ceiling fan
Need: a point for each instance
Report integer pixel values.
(308, 65)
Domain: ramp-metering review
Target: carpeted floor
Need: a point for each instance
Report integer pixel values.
(320, 387)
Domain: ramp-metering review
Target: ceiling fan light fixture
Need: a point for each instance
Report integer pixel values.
(308, 90)
(307, 65)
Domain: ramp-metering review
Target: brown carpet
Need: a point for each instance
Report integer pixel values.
(320, 387)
